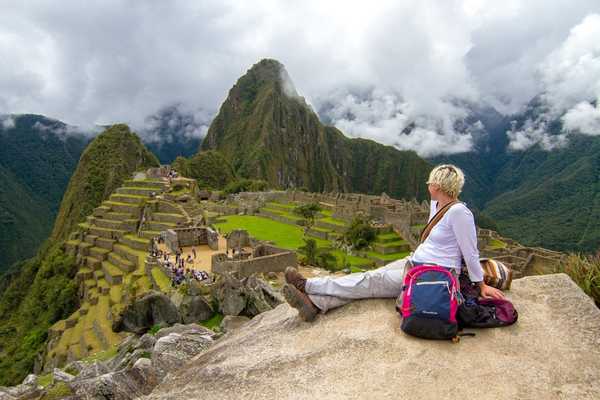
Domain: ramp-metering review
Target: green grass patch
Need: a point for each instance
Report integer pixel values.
(283, 235)
(102, 355)
(161, 279)
(45, 380)
(388, 257)
(59, 390)
(290, 206)
(213, 322)
(387, 236)
(354, 261)
(398, 242)
(496, 244)
(331, 220)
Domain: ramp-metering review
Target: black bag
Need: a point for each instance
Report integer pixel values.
(476, 312)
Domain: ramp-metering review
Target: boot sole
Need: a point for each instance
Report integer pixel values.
(293, 296)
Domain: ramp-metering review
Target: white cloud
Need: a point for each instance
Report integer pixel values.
(570, 77)
(534, 133)
(7, 121)
(116, 61)
(583, 118)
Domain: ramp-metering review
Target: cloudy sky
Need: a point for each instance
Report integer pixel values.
(370, 68)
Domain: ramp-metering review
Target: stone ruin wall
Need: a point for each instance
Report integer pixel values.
(266, 258)
(186, 237)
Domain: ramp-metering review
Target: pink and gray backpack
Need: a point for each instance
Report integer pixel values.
(429, 303)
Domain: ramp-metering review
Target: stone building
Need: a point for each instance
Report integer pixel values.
(186, 237)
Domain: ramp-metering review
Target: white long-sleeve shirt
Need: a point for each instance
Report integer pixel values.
(453, 238)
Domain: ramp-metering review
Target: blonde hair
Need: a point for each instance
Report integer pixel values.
(449, 178)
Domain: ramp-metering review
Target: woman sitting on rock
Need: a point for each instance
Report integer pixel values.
(451, 240)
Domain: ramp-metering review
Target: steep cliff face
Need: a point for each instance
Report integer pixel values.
(107, 161)
(268, 132)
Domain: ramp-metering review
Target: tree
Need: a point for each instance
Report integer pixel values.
(326, 260)
(308, 212)
(360, 234)
(310, 251)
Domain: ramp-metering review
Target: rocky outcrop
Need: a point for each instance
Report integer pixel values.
(359, 352)
(151, 309)
(248, 297)
(141, 363)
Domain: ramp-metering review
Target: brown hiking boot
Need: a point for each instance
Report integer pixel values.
(301, 302)
(293, 277)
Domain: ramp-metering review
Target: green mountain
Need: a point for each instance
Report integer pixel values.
(266, 131)
(42, 290)
(538, 197)
(37, 158)
(111, 158)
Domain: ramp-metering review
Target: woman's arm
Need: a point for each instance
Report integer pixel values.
(463, 226)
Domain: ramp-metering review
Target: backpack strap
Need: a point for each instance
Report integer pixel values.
(433, 221)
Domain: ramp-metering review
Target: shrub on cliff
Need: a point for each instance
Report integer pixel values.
(585, 271)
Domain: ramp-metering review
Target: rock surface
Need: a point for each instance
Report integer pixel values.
(231, 323)
(359, 352)
(249, 296)
(153, 308)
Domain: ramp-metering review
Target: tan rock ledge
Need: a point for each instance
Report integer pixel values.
(359, 352)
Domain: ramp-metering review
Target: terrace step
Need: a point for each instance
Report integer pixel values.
(331, 226)
(91, 239)
(103, 286)
(112, 273)
(128, 198)
(124, 265)
(159, 226)
(389, 248)
(126, 253)
(92, 294)
(167, 207)
(84, 248)
(150, 234)
(107, 223)
(168, 217)
(118, 216)
(115, 294)
(98, 276)
(132, 209)
(107, 233)
(93, 263)
(105, 243)
(99, 253)
(84, 274)
(71, 246)
(136, 242)
(387, 238)
(101, 210)
(146, 183)
(140, 190)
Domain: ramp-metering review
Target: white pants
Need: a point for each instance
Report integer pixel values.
(327, 293)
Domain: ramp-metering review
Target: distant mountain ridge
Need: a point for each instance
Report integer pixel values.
(37, 158)
(266, 131)
(539, 197)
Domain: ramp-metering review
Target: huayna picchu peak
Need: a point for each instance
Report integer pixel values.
(266, 131)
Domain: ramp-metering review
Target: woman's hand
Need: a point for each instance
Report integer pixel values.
(489, 292)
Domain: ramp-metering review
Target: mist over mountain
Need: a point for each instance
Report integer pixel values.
(174, 131)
